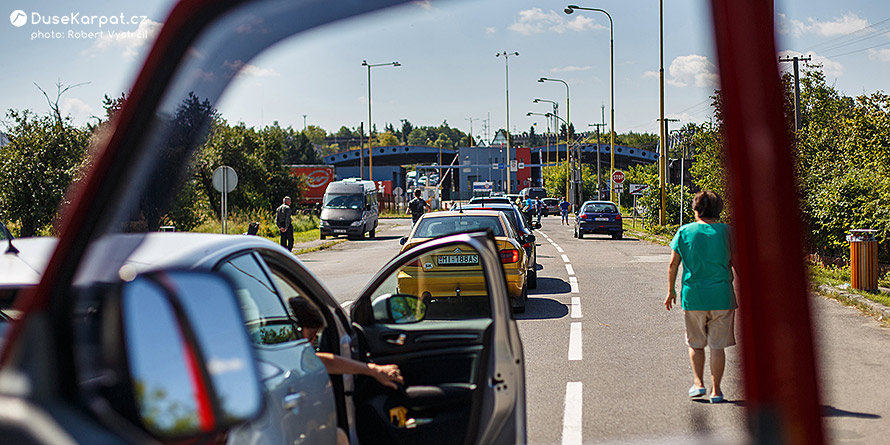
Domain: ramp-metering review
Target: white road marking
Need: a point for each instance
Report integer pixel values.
(345, 304)
(559, 249)
(576, 307)
(571, 418)
(573, 281)
(570, 269)
(575, 342)
(565, 259)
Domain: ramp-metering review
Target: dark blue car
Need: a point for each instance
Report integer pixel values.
(600, 217)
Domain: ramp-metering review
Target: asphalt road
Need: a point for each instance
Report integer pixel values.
(605, 361)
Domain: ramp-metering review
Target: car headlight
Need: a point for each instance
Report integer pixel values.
(324, 223)
(356, 223)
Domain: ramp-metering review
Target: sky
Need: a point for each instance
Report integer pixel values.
(449, 70)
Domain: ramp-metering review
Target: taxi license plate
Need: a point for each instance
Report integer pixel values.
(457, 260)
(600, 219)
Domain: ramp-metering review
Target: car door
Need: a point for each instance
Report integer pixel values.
(299, 400)
(455, 341)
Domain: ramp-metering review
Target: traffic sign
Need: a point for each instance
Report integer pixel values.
(619, 188)
(514, 165)
(224, 179)
(639, 189)
(618, 176)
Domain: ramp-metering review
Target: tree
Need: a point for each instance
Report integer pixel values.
(533, 139)
(315, 134)
(37, 166)
(418, 136)
(387, 139)
(407, 128)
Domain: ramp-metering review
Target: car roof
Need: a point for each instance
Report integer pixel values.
(453, 213)
(25, 267)
(599, 202)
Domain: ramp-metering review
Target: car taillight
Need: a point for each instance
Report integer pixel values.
(509, 256)
(583, 216)
(617, 217)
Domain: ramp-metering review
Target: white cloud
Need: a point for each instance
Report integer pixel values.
(425, 4)
(78, 109)
(693, 70)
(829, 67)
(536, 21)
(570, 69)
(129, 41)
(848, 23)
(248, 70)
(882, 54)
(650, 75)
(490, 30)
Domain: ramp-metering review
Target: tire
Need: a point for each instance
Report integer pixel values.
(580, 234)
(523, 299)
(322, 237)
(533, 278)
(620, 235)
(372, 233)
(575, 233)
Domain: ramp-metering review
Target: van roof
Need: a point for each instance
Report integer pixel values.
(350, 186)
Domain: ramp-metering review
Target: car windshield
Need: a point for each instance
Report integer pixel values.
(441, 226)
(332, 201)
(600, 208)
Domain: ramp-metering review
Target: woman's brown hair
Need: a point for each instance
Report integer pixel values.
(708, 204)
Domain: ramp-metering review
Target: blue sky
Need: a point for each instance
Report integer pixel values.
(449, 70)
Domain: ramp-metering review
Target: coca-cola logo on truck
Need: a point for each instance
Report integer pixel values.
(318, 178)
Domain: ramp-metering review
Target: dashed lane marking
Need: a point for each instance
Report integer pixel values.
(345, 304)
(570, 269)
(565, 259)
(575, 342)
(559, 249)
(571, 418)
(573, 281)
(576, 307)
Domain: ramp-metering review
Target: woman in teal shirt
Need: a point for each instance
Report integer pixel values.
(707, 294)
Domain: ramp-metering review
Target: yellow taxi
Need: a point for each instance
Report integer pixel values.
(445, 274)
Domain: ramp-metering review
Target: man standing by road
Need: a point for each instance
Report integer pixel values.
(283, 220)
(564, 210)
(416, 207)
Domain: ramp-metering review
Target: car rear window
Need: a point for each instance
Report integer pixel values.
(436, 227)
(600, 208)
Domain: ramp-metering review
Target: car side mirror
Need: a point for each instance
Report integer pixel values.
(398, 309)
(531, 238)
(185, 350)
(403, 240)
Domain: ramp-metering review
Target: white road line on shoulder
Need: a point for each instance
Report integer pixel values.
(571, 418)
(345, 304)
(570, 269)
(559, 249)
(575, 341)
(576, 307)
(565, 259)
(573, 281)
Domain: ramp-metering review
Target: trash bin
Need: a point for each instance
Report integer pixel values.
(863, 259)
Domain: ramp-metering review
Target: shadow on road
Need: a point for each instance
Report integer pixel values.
(551, 286)
(830, 411)
(543, 309)
(376, 238)
(607, 238)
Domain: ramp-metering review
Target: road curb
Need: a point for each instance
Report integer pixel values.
(872, 307)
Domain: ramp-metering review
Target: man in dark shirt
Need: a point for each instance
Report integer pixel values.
(417, 206)
(283, 220)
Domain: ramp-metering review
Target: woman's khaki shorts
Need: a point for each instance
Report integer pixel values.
(712, 328)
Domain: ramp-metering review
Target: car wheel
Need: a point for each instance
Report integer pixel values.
(575, 233)
(580, 234)
(533, 278)
(523, 299)
(322, 237)
(620, 235)
(371, 233)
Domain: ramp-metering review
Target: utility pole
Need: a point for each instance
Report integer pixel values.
(661, 124)
(664, 123)
(795, 59)
(598, 177)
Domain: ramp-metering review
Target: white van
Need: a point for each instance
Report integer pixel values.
(349, 208)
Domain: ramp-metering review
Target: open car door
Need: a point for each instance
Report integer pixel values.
(441, 312)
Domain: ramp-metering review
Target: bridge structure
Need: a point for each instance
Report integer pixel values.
(480, 163)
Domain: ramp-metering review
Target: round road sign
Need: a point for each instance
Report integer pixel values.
(618, 176)
(224, 177)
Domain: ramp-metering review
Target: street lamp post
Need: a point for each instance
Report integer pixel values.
(576, 162)
(506, 56)
(370, 126)
(555, 113)
(567, 149)
(570, 9)
(547, 115)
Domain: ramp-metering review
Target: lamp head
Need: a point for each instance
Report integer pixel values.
(542, 79)
(536, 100)
(364, 63)
(396, 64)
(529, 113)
(569, 9)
